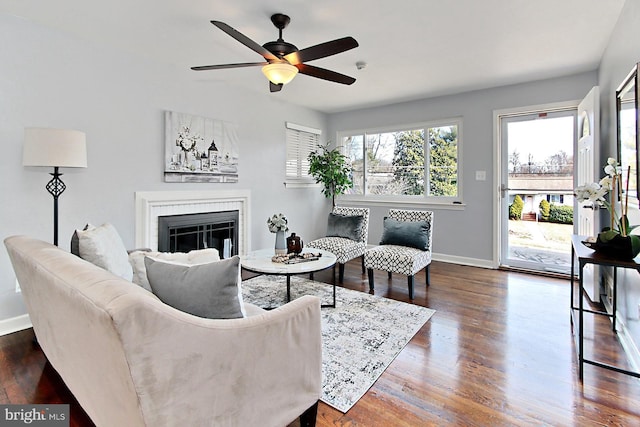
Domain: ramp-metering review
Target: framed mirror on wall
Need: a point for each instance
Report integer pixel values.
(627, 96)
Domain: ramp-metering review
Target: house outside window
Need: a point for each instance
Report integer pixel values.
(415, 162)
(555, 198)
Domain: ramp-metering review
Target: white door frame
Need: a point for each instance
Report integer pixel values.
(497, 162)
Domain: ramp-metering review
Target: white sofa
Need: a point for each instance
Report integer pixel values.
(131, 360)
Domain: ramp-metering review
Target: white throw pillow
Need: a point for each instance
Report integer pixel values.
(103, 247)
(198, 256)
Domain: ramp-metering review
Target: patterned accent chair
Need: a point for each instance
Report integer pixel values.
(343, 248)
(396, 257)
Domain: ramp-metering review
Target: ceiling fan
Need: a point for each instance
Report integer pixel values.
(284, 60)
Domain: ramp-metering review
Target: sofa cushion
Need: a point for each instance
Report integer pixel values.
(198, 256)
(206, 290)
(414, 234)
(347, 226)
(103, 247)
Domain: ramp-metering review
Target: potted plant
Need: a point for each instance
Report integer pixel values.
(330, 168)
(615, 240)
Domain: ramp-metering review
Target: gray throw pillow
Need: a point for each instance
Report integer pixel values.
(206, 290)
(349, 227)
(414, 234)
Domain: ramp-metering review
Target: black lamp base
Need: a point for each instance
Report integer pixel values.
(55, 187)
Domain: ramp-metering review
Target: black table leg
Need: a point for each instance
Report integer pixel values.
(333, 283)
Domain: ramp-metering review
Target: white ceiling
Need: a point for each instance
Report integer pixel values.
(413, 48)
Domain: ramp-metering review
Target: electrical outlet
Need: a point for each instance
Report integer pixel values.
(18, 290)
(481, 175)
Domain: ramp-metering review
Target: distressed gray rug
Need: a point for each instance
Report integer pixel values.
(360, 337)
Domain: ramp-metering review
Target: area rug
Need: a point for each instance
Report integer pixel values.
(360, 336)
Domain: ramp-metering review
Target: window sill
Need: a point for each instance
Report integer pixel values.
(300, 184)
(396, 203)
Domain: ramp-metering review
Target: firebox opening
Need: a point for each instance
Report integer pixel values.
(183, 233)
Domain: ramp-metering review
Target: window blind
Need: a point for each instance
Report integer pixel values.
(301, 141)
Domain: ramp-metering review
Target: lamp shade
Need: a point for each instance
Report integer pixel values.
(54, 147)
(280, 72)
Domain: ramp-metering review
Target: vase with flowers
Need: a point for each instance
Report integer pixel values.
(188, 143)
(615, 240)
(277, 223)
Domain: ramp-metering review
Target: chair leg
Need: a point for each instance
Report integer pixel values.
(340, 273)
(370, 274)
(426, 273)
(310, 276)
(410, 283)
(362, 258)
(308, 417)
(389, 275)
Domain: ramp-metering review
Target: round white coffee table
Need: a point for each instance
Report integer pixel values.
(260, 262)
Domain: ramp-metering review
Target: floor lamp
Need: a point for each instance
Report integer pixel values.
(57, 148)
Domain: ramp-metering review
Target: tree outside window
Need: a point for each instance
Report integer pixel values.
(402, 163)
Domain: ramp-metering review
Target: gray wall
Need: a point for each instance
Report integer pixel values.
(465, 235)
(48, 79)
(622, 53)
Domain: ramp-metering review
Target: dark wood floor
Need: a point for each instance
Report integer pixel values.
(498, 352)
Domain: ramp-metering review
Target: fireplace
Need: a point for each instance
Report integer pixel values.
(182, 233)
(152, 205)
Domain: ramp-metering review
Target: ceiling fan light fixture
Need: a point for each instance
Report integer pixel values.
(279, 72)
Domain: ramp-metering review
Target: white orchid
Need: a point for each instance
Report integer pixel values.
(596, 192)
(593, 192)
(612, 168)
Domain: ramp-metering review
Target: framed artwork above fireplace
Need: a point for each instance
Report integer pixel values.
(199, 149)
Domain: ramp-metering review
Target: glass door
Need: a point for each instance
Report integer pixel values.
(537, 190)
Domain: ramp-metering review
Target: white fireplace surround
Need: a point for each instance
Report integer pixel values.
(152, 204)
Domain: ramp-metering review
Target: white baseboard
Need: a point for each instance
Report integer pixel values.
(626, 340)
(452, 259)
(628, 344)
(472, 262)
(14, 324)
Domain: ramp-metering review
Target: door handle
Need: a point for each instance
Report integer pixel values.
(503, 190)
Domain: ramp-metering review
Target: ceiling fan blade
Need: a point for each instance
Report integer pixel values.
(325, 74)
(275, 87)
(321, 50)
(245, 40)
(223, 66)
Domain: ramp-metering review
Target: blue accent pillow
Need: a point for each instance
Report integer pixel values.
(414, 234)
(349, 227)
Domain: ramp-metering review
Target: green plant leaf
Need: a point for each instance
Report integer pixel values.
(331, 169)
(635, 243)
(607, 235)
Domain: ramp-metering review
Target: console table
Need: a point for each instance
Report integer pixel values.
(585, 256)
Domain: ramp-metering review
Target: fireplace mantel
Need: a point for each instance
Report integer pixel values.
(152, 204)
